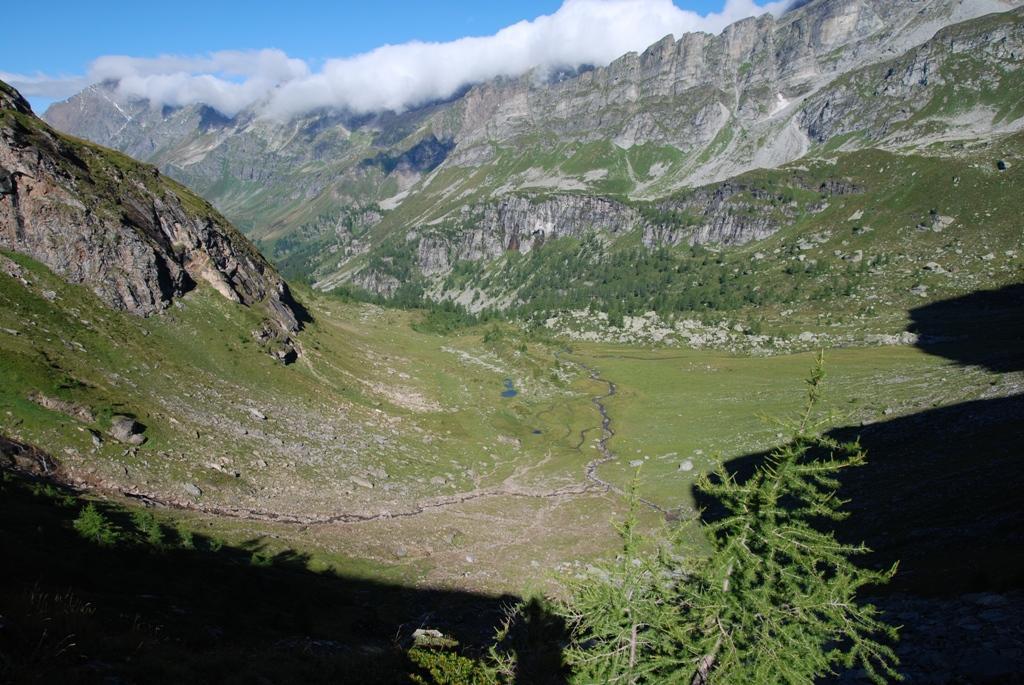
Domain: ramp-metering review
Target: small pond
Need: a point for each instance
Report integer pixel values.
(510, 389)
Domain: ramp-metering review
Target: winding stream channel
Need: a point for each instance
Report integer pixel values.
(607, 433)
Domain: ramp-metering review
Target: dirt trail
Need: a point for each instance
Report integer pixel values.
(593, 484)
(418, 509)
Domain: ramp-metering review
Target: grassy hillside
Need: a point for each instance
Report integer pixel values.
(859, 238)
(393, 451)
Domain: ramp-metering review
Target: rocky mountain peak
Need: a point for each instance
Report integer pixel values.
(688, 111)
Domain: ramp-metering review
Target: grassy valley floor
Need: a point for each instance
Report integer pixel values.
(397, 454)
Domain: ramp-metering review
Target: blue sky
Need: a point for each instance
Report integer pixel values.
(72, 34)
(65, 37)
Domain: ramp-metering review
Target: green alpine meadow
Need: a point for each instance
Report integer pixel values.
(630, 342)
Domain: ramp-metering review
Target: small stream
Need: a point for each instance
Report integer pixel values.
(607, 433)
(595, 482)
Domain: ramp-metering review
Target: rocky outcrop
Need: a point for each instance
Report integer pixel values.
(518, 224)
(126, 429)
(72, 409)
(27, 459)
(136, 238)
(377, 282)
(735, 212)
(277, 342)
(729, 213)
(717, 215)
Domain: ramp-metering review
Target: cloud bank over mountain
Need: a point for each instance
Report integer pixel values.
(396, 77)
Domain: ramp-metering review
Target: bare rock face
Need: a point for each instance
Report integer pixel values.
(731, 213)
(875, 100)
(25, 458)
(75, 411)
(136, 238)
(515, 223)
(684, 92)
(728, 213)
(377, 282)
(519, 224)
(276, 342)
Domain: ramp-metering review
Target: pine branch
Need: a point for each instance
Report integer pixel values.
(776, 600)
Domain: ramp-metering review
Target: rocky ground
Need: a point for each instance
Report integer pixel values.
(726, 335)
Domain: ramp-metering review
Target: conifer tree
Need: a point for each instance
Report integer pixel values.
(776, 600)
(93, 525)
(619, 617)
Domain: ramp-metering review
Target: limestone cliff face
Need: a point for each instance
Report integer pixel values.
(682, 92)
(519, 224)
(875, 101)
(136, 238)
(728, 213)
(735, 212)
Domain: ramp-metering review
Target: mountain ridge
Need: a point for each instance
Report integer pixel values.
(138, 239)
(681, 114)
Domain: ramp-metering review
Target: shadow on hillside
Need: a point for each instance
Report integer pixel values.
(941, 492)
(941, 495)
(985, 328)
(188, 609)
(302, 314)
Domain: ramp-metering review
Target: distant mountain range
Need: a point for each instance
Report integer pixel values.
(649, 151)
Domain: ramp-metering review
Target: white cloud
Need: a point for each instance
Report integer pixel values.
(228, 81)
(397, 77)
(43, 86)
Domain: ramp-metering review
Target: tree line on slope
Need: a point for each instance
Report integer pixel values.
(567, 274)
